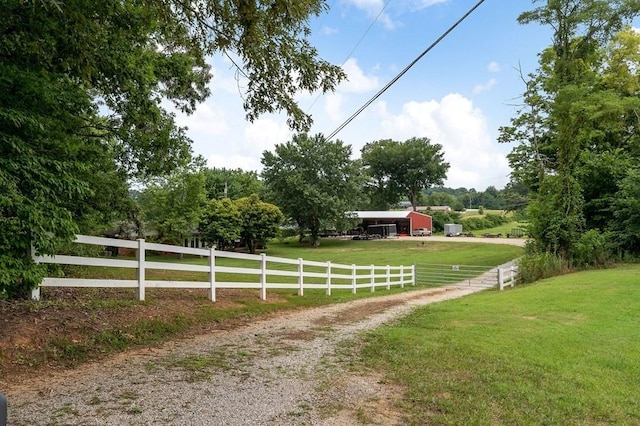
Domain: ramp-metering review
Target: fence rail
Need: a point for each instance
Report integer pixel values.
(268, 270)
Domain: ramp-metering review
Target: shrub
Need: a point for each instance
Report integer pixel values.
(592, 249)
(536, 266)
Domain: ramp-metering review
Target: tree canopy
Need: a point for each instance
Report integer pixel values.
(83, 89)
(312, 180)
(260, 221)
(232, 183)
(403, 168)
(577, 132)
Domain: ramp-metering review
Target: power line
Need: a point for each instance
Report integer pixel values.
(403, 72)
(355, 47)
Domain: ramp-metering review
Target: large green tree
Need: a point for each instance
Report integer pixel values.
(173, 206)
(232, 183)
(220, 223)
(82, 85)
(580, 106)
(314, 181)
(397, 169)
(260, 221)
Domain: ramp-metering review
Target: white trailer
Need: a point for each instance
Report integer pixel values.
(452, 229)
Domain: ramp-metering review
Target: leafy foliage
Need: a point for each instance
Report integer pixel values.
(487, 221)
(313, 181)
(220, 223)
(260, 221)
(578, 133)
(84, 85)
(174, 205)
(230, 183)
(407, 168)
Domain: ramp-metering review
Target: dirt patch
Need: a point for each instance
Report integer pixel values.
(33, 335)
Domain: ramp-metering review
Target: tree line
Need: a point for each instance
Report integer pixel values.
(576, 135)
(310, 182)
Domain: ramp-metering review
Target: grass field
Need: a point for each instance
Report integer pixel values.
(563, 351)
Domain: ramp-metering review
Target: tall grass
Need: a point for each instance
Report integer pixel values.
(537, 266)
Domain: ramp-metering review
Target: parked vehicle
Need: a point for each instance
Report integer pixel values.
(421, 232)
(452, 230)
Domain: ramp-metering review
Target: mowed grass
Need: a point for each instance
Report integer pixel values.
(562, 351)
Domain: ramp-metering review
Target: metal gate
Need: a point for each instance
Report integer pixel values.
(463, 275)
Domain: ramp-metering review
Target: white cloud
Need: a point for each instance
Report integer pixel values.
(333, 107)
(357, 81)
(246, 152)
(207, 119)
(494, 67)
(264, 134)
(479, 88)
(421, 4)
(462, 131)
(327, 30)
(375, 9)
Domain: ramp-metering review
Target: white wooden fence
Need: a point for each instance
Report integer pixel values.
(507, 277)
(322, 275)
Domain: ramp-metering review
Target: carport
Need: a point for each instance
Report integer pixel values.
(404, 220)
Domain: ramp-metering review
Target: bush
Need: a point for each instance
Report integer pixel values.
(593, 249)
(488, 221)
(536, 266)
(440, 218)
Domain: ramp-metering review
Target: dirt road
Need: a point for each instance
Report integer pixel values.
(520, 242)
(287, 370)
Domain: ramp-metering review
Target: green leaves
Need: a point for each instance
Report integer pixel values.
(83, 86)
(577, 133)
(312, 180)
(403, 168)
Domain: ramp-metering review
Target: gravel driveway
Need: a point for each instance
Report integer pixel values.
(287, 370)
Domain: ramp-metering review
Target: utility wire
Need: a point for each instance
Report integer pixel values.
(355, 47)
(403, 72)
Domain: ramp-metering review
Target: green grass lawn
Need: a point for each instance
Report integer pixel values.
(563, 351)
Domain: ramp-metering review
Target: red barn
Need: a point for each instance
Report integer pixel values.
(405, 220)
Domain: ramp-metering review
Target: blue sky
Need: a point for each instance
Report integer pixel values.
(458, 95)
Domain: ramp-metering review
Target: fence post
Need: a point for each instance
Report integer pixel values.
(500, 279)
(413, 274)
(35, 293)
(329, 278)
(263, 276)
(373, 278)
(141, 267)
(512, 276)
(300, 277)
(353, 278)
(388, 277)
(212, 274)
(401, 276)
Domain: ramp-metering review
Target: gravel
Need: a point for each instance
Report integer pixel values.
(289, 370)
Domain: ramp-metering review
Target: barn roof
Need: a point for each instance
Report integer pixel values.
(383, 214)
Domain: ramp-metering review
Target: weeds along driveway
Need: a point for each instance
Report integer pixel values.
(292, 369)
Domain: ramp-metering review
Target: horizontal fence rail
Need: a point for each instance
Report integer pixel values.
(225, 270)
